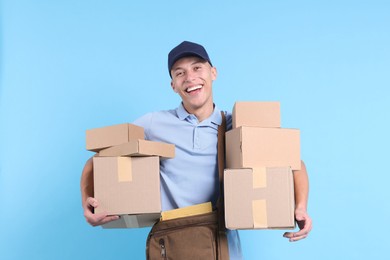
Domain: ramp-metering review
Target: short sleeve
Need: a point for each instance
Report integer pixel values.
(145, 122)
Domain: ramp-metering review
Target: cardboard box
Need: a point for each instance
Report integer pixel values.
(259, 198)
(258, 114)
(140, 148)
(248, 147)
(100, 138)
(128, 186)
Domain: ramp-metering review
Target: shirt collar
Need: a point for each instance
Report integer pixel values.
(181, 112)
(214, 120)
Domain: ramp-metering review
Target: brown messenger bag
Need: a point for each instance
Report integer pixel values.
(200, 237)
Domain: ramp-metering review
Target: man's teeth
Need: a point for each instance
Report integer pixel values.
(194, 88)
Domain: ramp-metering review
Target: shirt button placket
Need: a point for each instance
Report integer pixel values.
(196, 138)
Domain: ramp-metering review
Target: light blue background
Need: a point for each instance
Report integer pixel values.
(68, 66)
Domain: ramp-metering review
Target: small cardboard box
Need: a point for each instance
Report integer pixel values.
(259, 114)
(138, 147)
(259, 198)
(128, 186)
(100, 138)
(248, 147)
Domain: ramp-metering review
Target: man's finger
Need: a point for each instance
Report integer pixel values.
(301, 233)
(109, 219)
(92, 202)
(96, 219)
(297, 238)
(304, 231)
(102, 219)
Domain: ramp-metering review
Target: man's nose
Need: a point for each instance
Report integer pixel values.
(190, 76)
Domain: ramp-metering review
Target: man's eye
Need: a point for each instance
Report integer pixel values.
(178, 74)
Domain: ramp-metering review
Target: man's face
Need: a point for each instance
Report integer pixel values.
(192, 79)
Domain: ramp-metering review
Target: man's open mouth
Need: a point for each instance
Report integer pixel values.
(193, 88)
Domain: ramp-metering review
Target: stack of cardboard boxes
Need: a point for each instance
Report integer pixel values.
(260, 157)
(127, 174)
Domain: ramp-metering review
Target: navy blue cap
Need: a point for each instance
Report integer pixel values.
(186, 49)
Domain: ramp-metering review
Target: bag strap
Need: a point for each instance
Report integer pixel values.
(223, 250)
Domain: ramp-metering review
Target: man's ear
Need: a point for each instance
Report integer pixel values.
(173, 87)
(214, 73)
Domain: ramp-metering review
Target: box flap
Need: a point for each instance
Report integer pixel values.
(103, 137)
(233, 148)
(140, 148)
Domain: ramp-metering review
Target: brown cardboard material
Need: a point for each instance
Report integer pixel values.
(268, 206)
(248, 147)
(103, 137)
(258, 114)
(140, 148)
(133, 221)
(128, 186)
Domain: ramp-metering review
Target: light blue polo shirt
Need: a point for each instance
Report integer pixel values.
(192, 176)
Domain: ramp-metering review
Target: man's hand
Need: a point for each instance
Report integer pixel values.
(95, 219)
(304, 223)
(301, 187)
(88, 202)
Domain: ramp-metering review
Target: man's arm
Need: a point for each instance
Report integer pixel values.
(87, 200)
(301, 186)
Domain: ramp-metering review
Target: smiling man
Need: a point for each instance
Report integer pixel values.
(192, 176)
(192, 78)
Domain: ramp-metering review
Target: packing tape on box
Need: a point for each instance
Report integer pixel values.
(259, 206)
(259, 177)
(125, 170)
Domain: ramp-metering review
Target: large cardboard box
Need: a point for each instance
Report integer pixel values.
(128, 186)
(138, 147)
(259, 198)
(259, 114)
(248, 147)
(103, 137)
